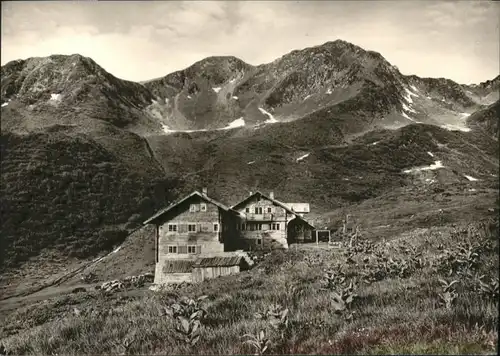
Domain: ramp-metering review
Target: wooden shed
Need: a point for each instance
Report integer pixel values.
(176, 271)
(213, 267)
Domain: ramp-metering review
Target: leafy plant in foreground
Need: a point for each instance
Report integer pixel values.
(188, 314)
(449, 295)
(259, 341)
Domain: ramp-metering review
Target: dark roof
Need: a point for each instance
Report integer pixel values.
(203, 196)
(276, 202)
(219, 261)
(178, 266)
(306, 222)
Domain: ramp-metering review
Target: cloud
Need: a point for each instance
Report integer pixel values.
(144, 40)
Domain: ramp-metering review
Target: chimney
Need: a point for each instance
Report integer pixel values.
(204, 190)
(271, 195)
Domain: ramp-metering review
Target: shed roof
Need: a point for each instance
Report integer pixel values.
(228, 261)
(201, 195)
(178, 266)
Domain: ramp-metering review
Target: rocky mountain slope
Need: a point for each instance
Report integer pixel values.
(486, 119)
(87, 156)
(336, 77)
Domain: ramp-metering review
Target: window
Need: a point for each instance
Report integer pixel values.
(193, 208)
(182, 249)
(191, 249)
(259, 241)
(269, 210)
(247, 210)
(192, 227)
(243, 226)
(258, 210)
(275, 226)
(203, 207)
(172, 227)
(172, 249)
(216, 227)
(259, 226)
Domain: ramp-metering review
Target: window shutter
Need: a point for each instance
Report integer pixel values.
(205, 227)
(182, 228)
(182, 249)
(200, 228)
(198, 248)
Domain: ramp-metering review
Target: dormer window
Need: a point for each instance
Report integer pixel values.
(203, 207)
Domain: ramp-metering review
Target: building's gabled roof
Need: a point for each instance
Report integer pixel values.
(201, 195)
(298, 207)
(307, 222)
(276, 202)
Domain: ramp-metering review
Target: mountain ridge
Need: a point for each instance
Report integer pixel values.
(229, 126)
(217, 91)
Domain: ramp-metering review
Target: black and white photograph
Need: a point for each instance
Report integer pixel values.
(249, 177)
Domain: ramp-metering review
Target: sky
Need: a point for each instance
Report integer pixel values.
(142, 40)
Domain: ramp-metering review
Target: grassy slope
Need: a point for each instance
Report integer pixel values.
(65, 196)
(398, 313)
(334, 174)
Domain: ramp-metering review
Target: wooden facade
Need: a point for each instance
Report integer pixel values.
(193, 228)
(196, 237)
(266, 223)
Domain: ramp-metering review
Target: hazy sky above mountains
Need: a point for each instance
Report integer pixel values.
(144, 40)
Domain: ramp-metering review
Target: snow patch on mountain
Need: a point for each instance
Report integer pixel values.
(409, 118)
(451, 127)
(271, 119)
(55, 97)
(434, 166)
(4, 104)
(302, 157)
(234, 124)
(430, 154)
(307, 97)
(251, 162)
(414, 88)
(410, 109)
(329, 91)
(472, 179)
(408, 95)
(216, 89)
(235, 97)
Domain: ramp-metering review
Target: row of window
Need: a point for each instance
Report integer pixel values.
(215, 227)
(259, 210)
(193, 227)
(184, 249)
(198, 207)
(257, 227)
